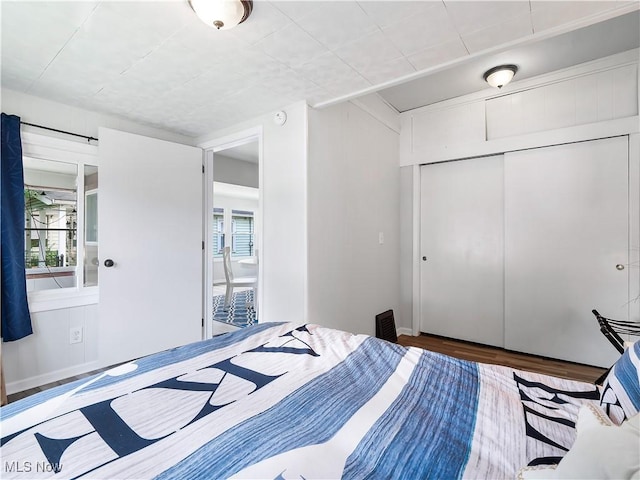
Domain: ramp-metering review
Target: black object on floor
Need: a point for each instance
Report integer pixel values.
(386, 326)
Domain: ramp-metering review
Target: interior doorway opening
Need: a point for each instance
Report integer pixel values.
(233, 240)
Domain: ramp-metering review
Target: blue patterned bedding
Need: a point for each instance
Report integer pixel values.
(283, 401)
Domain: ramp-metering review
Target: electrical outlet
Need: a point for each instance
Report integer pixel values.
(75, 335)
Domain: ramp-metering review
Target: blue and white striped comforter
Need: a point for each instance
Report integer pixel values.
(281, 401)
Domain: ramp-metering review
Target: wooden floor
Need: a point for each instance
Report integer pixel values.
(26, 393)
(499, 356)
(454, 348)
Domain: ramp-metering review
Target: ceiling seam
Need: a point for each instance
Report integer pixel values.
(33, 82)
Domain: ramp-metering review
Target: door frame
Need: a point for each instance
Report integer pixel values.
(634, 226)
(210, 148)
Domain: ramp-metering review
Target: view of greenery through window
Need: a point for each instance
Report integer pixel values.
(52, 224)
(51, 228)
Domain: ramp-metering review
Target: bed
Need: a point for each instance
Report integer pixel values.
(284, 401)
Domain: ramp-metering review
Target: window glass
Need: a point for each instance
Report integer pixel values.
(218, 231)
(90, 226)
(51, 222)
(241, 233)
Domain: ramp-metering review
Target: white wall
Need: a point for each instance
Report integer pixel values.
(49, 179)
(595, 99)
(229, 202)
(405, 319)
(47, 356)
(237, 172)
(283, 197)
(354, 198)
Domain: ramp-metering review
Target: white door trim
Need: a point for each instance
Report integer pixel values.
(211, 147)
(634, 228)
(417, 313)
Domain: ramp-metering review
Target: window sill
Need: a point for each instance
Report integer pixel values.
(49, 272)
(218, 259)
(64, 298)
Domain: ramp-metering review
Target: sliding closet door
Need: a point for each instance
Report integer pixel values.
(566, 230)
(462, 242)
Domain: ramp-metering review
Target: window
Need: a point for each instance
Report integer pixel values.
(218, 231)
(240, 227)
(56, 241)
(91, 226)
(234, 220)
(241, 233)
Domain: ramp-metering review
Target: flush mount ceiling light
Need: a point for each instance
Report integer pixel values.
(222, 14)
(499, 76)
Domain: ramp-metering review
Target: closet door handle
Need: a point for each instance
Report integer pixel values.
(619, 267)
(109, 263)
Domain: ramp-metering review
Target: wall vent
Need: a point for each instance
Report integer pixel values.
(386, 326)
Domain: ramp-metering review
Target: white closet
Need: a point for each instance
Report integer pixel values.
(462, 249)
(566, 229)
(519, 248)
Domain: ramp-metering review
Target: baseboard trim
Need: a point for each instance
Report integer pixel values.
(405, 331)
(39, 380)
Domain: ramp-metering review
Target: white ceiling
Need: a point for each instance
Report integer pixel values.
(247, 152)
(156, 63)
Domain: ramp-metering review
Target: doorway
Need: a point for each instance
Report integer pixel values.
(233, 229)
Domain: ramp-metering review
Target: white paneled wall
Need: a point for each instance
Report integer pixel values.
(283, 193)
(405, 316)
(353, 219)
(598, 97)
(593, 100)
(47, 355)
(447, 126)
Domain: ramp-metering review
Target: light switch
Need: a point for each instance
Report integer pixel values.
(380, 238)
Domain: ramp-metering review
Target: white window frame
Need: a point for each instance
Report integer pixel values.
(221, 232)
(80, 154)
(233, 233)
(87, 193)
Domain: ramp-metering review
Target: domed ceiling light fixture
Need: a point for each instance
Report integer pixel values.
(499, 76)
(222, 14)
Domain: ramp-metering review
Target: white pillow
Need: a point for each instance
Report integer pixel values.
(602, 450)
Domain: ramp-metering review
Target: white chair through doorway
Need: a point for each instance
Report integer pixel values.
(233, 282)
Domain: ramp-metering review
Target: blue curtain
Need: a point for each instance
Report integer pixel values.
(16, 320)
